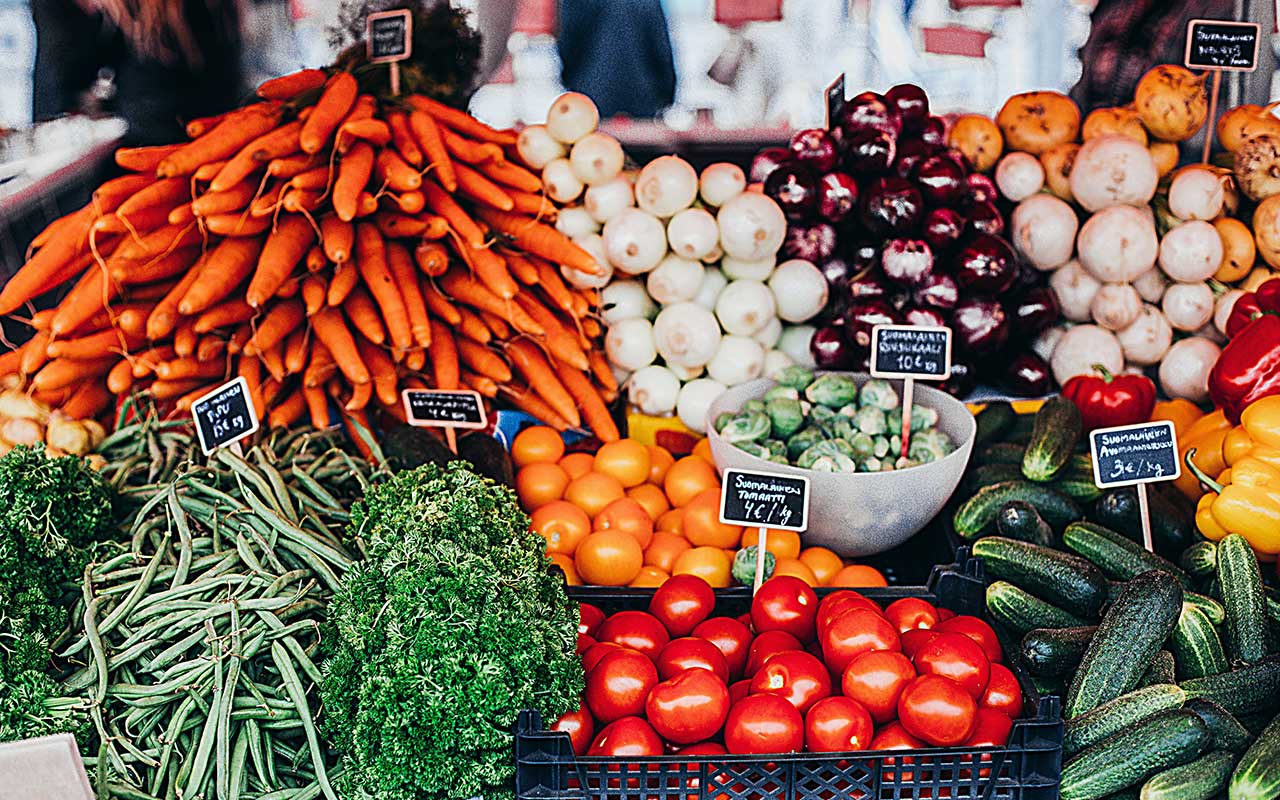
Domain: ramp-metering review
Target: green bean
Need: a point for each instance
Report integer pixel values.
(224, 710)
(237, 772)
(123, 791)
(294, 686)
(196, 766)
(255, 748)
(95, 645)
(184, 536)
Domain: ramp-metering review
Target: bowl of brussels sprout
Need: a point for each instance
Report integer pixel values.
(843, 431)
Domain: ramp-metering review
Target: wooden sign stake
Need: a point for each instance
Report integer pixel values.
(1220, 46)
(1210, 124)
(908, 396)
(1145, 512)
(1135, 455)
(451, 439)
(762, 537)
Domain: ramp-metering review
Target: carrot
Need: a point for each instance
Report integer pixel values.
(107, 198)
(181, 215)
(144, 364)
(408, 202)
(53, 398)
(432, 258)
(529, 402)
(88, 400)
(512, 175)
(144, 159)
(462, 288)
(317, 406)
(280, 321)
(184, 338)
(266, 204)
(473, 327)
(236, 225)
(485, 386)
(133, 272)
(229, 264)
(289, 86)
(140, 222)
(320, 367)
(401, 226)
(120, 378)
(40, 321)
(189, 369)
(63, 372)
(396, 172)
(295, 351)
(284, 248)
(467, 151)
(594, 408)
(34, 354)
(541, 240)
(481, 189)
(226, 138)
(438, 304)
(201, 125)
(210, 347)
(461, 121)
(402, 138)
(158, 242)
(559, 342)
(164, 317)
(372, 260)
(400, 264)
(382, 369)
(500, 329)
(602, 372)
(289, 410)
(338, 237)
(522, 268)
(444, 205)
(315, 179)
(291, 166)
(374, 131)
(491, 269)
(42, 271)
(533, 205)
(298, 201)
(590, 328)
(315, 259)
(271, 390)
(172, 390)
(273, 359)
(356, 424)
(234, 198)
(484, 361)
(231, 311)
(206, 172)
(313, 289)
(337, 99)
(345, 277)
(133, 321)
(91, 294)
(276, 143)
(533, 365)
(331, 330)
(444, 356)
(353, 174)
(251, 370)
(427, 135)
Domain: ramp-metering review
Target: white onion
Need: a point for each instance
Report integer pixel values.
(713, 282)
(1222, 311)
(715, 255)
(1151, 285)
(736, 269)
(571, 117)
(654, 390)
(560, 181)
(1043, 229)
(1019, 175)
(1113, 170)
(596, 158)
(629, 343)
(1118, 243)
(1115, 306)
(1147, 338)
(751, 227)
(666, 185)
(686, 334)
(769, 335)
(775, 361)
(693, 233)
(1191, 252)
(574, 221)
(695, 399)
(1188, 306)
(609, 199)
(1184, 371)
(594, 245)
(720, 183)
(795, 343)
(1081, 347)
(536, 147)
(800, 290)
(1196, 193)
(686, 373)
(625, 299)
(675, 280)
(738, 359)
(744, 307)
(1075, 289)
(635, 241)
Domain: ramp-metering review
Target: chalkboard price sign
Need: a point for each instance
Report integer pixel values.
(224, 415)
(389, 35)
(444, 409)
(908, 351)
(1133, 454)
(835, 100)
(1222, 45)
(765, 500)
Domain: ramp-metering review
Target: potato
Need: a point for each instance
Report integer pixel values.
(979, 139)
(1036, 121)
(1171, 102)
(1120, 121)
(1057, 162)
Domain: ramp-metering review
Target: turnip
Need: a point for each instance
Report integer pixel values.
(571, 117)
(1044, 231)
(1257, 166)
(629, 343)
(560, 181)
(594, 245)
(1223, 307)
(686, 334)
(693, 233)
(1188, 306)
(1191, 252)
(1151, 286)
(978, 138)
(537, 148)
(1196, 193)
(675, 280)
(574, 221)
(596, 158)
(625, 299)
(666, 185)
(720, 183)
(714, 256)
(1115, 306)
(1047, 340)
(695, 399)
(1239, 124)
(795, 341)
(1019, 175)
(769, 335)
(1266, 230)
(800, 290)
(609, 199)
(1171, 101)
(1075, 289)
(775, 361)
(1117, 121)
(1147, 338)
(686, 374)
(654, 390)
(1118, 244)
(635, 241)
(736, 269)
(744, 307)
(1113, 170)
(1081, 347)
(738, 359)
(1184, 371)
(751, 226)
(713, 282)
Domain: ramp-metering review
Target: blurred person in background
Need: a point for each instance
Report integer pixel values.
(171, 60)
(618, 53)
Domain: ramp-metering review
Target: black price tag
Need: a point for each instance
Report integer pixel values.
(1219, 44)
(444, 409)
(908, 351)
(224, 415)
(835, 100)
(1133, 454)
(389, 35)
(765, 500)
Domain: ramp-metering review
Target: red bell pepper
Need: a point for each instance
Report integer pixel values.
(1251, 305)
(1249, 367)
(1107, 400)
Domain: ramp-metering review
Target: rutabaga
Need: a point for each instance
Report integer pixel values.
(561, 183)
(1075, 289)
(1115, 306)
(607, 200)
(1118, 244)
(1196, 193)
(1019, 176)
(1147, 338)
(1191, 252)
(713, 282)
(537, 148)
(1184, 371)
(1188, 306)
(736, 269)
(572, 116)
(634, 241)
(625, 300)
(594, 245)
(575, 221)
(752, 227)
(738, 359)
(1044, 231)
(1083, 346)
(1113, 170)
(675, 280)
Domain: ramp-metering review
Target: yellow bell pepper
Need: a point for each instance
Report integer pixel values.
(1262, 421)
(1181, 412)
(1208, 526)
(1205, 436)
(1246, 500)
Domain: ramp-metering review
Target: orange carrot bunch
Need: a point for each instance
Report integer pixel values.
(325, 245)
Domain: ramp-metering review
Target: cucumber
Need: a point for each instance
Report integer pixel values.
(1116, 555)
(1110, 718)
(1257, 776)
(1162, 669)
(1227, 732)
(987, 474)
(1172, 530)
(1077, 485)
(1022, 612)
(1251, 689)
(1196, 645)
(1168, 739)
(1067, 581)
(1130, 635)
(977, 515)
(1200, 560)
(994, 421)
(1241, 582)
(1053, 439)
(1021, 521)
(1201, 779)
(1208, 606)
(1000, 453)
(1051, 652)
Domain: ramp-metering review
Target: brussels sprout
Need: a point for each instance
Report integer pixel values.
(904, 463)
(870, 420)
(842, 427)
(752, 406)
(929, 446)
(849, 410)
(836, 450)
(744, 565)
(870, 465)
(922, 418)
(805, 406)
(789, 392)
(749, 427)
(895, 444)
(753, 449)
(880, 446)
(803, 440)
(823, 464)
(785, 415)
(795, 377)
(863, 445)
(832, 390)
(777, 448)
(776, 459)
(722, 419)
(878, 393)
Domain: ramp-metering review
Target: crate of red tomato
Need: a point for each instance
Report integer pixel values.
(895, 692)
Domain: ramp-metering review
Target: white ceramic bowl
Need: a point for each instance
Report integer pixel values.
(863, 513)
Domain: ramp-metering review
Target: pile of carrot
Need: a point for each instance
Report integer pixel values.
(326, 245)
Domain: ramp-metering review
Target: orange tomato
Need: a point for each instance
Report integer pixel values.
(687, 478)
(608, 558)
(565, 563)
(664, 549)
(660, 460)
(649, 578)
(783, 544)
(858, 575)
(671, 521)
(593, 491)
(539, 484)
(702, 525)
(709, 563)
(651, 498)
(796, 567)
(822, 562)
(628, 516)
(536, 444)
(703, 451)
(626, 459)
(562, 524)
(577, 464)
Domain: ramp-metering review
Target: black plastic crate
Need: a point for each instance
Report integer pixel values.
(1028, 768)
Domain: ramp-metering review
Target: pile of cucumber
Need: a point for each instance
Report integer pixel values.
(1168, 663)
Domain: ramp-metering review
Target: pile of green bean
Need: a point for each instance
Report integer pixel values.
(197, 652)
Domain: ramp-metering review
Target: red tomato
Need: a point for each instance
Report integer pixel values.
(991, 729)
(681, 602)
(739, 690)
(875, 680)
(785, 603)
(937, 710)
(629, 736)
(955, 656)
(767, 644)
(580, 726)
(702, 749)
(794, 675)
(592, 655)
(690, 652)
(945, 614)
(688, 708)
(836, 724)
(730, 637)
(853, 633)
(619, 684)
(695, 768)
(763, 723)
(589, 618)
(911, 613)
(584, 643)
(1003, 693)
(840, 601)
(913, 640)
(895, 737)
(635, 629)
(976, 630)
